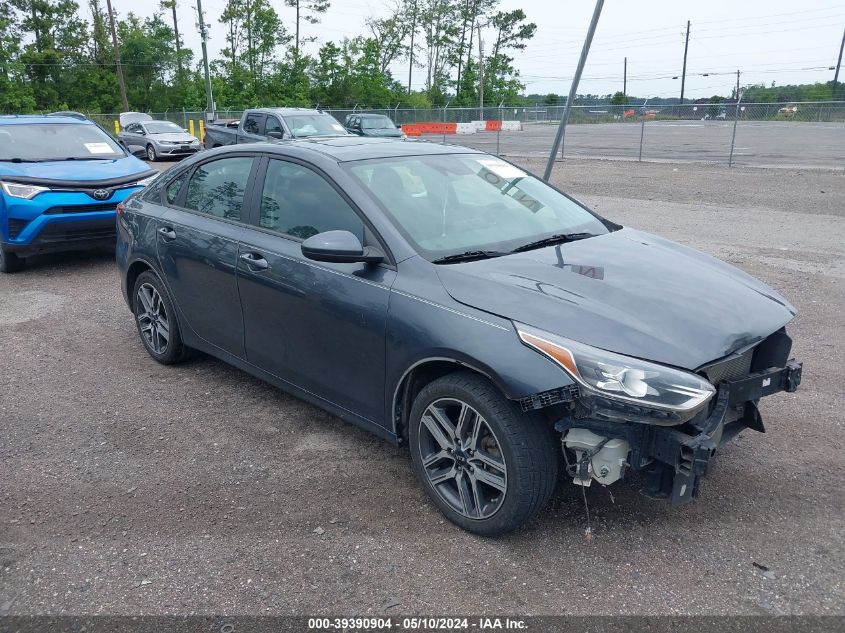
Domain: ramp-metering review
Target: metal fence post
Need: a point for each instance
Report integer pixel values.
(642, 132)
(733, 136)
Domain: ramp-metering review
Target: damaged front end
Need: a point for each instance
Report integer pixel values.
(622, 415)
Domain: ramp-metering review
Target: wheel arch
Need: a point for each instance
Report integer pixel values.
(422, 373)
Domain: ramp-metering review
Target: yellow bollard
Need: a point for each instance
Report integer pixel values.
(191, 127)
(202, 131)
(116, 127)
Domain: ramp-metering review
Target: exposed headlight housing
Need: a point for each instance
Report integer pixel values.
(621, 377)
(18, 190)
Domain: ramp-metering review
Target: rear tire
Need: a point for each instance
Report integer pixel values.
(10, 262)
(151, 154)
(156, 320)
(488, 466)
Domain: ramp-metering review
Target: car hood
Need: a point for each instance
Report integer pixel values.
(628, 292)
(75, 170)
(179, 137)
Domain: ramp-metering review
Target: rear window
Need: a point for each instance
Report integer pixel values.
(56, 141)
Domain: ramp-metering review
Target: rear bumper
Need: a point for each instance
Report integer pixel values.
(674, 459)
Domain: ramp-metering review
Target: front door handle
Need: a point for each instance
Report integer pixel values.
(255, 261)
(167, 233)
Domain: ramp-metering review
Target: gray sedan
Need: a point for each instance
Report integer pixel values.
(449, 301)
(158, 139)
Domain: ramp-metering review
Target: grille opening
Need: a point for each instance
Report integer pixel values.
(81, 208)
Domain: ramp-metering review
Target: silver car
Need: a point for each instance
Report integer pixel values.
(155, 138)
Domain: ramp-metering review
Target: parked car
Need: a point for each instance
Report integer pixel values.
(372, 125)
(156, 139)
(61, 179)
(788, 111)
(263, 124)
(448, 300)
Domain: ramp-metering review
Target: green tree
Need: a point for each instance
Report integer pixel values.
(619, 98)
(308, 11)
(15, 92)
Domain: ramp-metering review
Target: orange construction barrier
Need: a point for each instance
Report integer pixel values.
(411, 129)
(429, 127)
(493, 125)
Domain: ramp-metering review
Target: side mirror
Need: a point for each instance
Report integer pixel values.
(340, 247)
(275, 134)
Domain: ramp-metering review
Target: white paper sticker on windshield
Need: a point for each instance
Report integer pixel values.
(99, 148)
(503, 169)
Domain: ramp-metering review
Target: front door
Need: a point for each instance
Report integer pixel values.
(198, 241)
(317, 325)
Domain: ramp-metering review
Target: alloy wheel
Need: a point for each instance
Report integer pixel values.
(151, 153)
(462, 458)
(152, 318)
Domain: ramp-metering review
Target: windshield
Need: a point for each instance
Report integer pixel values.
(314, 125)
(451, 204)
(162, 127)
(56, 141)
(377, 123)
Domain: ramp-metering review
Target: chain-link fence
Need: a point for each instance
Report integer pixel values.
(807, 134)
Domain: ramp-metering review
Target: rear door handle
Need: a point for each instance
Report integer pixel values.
(167, 233)
(255, 261)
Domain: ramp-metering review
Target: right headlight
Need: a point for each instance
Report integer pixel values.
(621, 377)
(16, 190)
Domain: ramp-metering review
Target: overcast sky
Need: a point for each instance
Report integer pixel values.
(768, 40)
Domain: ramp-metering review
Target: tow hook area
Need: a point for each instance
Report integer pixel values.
(600, 458)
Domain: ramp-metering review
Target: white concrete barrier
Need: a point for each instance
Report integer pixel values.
(512, 126)
(480, 126)
(466, 128)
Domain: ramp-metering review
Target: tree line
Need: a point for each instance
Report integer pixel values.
(53, 58)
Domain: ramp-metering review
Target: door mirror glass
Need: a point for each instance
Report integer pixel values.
(340, 247)
(275, 134)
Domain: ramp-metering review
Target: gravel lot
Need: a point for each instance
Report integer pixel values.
(131, 488)
(758, 143)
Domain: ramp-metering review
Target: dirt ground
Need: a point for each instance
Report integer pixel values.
(127, 487)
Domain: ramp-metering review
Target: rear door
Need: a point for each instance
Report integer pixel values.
(252, 128)
(198, 241)
(320, 326)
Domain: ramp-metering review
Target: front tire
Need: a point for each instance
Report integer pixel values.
(10, 262)
(155, 318)
(487, 466)
(151, 153)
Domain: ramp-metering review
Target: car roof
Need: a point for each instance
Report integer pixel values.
(371, 115)
(284, 111)
(28, 119)
(351, 148)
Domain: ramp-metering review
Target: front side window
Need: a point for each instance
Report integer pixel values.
(217, 188)
(450, 204)
(40, 142)
(273, 125)
(298, 202)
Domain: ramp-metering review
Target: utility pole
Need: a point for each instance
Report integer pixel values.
(480, 75)
(413, 30)
(573, 90)
(625, 77)
(209, 99)
(176, 31)
(737, 85)
(838, 64)
(117, 59)
(684, 73)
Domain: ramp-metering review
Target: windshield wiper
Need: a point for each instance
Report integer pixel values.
(82, 158)
(553, 239)
(21, 160)
(468, 255)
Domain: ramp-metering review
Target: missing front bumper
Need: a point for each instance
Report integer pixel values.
(675, 458)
